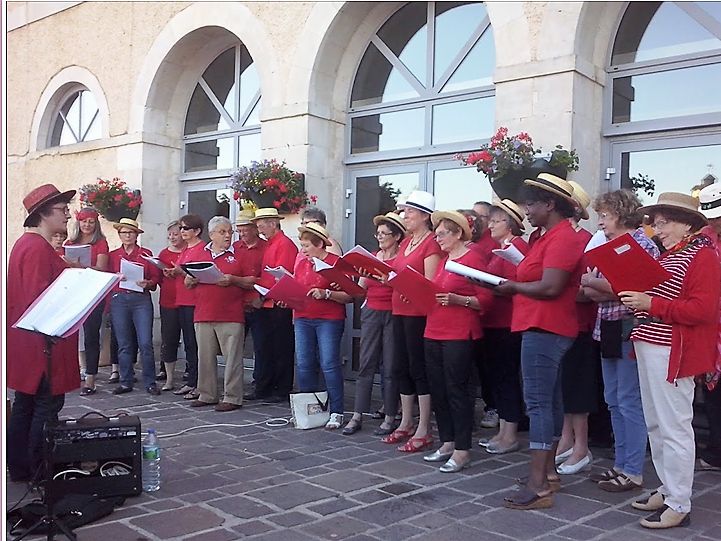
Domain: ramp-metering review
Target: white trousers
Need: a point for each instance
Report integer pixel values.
(668, 410)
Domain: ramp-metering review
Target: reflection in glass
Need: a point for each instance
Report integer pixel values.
(405, 33)
(220, 77)
(450, 121)
(655, 30)
(209, 155)
(387, 131)
(453, 29)
(667, 94)
(209, 203)
(477, 67)
(459, 188)
(377, 81)
(81, 121)
(202, 116)
(249, 82)
(672, 170)
(248, 148)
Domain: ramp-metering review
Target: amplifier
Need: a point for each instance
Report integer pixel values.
(94, 455)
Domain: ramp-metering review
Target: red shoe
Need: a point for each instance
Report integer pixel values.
(398, 436)
(414, 445)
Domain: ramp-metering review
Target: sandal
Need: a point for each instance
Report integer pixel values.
(619, 484)
(192, 395)
(605, 476)
(414, 445)
(398, 435)
(525, 499)
(114, 377)
(87, 391)
(185, 389)
(554, 483)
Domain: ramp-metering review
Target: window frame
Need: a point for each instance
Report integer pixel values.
(60, 101)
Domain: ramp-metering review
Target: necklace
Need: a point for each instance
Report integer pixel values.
(413, 244)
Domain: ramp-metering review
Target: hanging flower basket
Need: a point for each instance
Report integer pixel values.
(112, 199)
(508, 160)
(271, 184)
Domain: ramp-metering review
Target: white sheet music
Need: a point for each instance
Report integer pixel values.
(133, 273)
(80, 253)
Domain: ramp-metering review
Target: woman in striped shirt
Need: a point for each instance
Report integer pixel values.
(675, 340)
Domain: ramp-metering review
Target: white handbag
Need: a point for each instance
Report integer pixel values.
(310, 410)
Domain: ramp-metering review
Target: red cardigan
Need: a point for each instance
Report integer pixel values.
(694, 317)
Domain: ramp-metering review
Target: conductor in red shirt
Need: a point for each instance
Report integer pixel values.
(39, 397)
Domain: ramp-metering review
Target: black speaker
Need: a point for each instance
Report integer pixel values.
(94, 455)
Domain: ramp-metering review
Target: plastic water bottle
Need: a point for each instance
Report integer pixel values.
(151, 462)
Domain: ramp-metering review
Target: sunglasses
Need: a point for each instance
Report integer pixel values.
(186, 228)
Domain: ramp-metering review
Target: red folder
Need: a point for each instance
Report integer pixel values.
(359, 258)
(338, 277)
(415, 287)
(626, 265)
(289, 291)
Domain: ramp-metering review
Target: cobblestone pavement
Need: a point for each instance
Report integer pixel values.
(277, 483)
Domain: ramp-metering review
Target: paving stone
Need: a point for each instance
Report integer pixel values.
(513, 523)
(343, 465)
(613, 517)
(395, 469)
(333, 528)
(116, 531)
(203, 496)
(362, 537)
(284, 455)
(486, 483)
(214, 535)
(437, 497)
(288, 520)
(253, 527)
(124, 512)
(371, 496)
(303, 462)
(259, 471)
(162, 505)
(579, 532)
(567, 507)
(314, 472)
(459, 532)
(348, 481)
(397, 532)
(344, 453)
(398, 488)
(292, 495)
(282, 535)
(242, 507)
(333, 506)
(172, 523)
(388, 512)
(465, 510)
(638, 533)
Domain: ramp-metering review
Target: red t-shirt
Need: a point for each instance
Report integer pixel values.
(586, 311)
(415, 260)
(379, 296)
(183, 295)
(168, 285)
(253, 258)
(100, 247)
(484, 245)
(456, 322)
(535, 235)
(150, 271)
(317, 309)
(499, 314)
(280, 251)
(559, 248)
(221, 304)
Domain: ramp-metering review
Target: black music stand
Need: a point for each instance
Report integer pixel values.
(49, 520)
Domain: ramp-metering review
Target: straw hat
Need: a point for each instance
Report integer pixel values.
(129, 223)
(674, 200)
(268, 212)
(390, 218)
(245, 217)
(420, 200)
(555, 185)
(317, 230)
(581, 197)
(710, 199)
(42, 195)
(454, 216)
(513, 210)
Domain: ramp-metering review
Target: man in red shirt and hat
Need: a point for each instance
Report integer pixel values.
(32, 267)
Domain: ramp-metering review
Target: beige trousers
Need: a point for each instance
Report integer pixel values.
(668, 410)
(220, 339)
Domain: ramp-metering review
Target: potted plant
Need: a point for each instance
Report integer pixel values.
(271, 184)
(508, 160)
(112, 199)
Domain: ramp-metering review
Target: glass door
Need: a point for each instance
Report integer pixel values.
(208, 199)
(680, 164)
(457, 187)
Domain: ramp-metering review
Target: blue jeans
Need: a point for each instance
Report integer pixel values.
(541, 354)
(128, 312)
(319, 339)
(623, 396)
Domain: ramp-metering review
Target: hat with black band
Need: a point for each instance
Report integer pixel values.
(710, 198)
(553, 184)
(420, 200)
(513, 210)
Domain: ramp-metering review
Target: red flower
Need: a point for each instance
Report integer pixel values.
(313, 199)
(276, 204)
(283, 188)
(92, 196)
(236, 195)
(118, 198)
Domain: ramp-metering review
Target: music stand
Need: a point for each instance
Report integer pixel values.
(48, 519)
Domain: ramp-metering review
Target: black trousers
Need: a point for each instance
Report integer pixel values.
(449, 365)
(91, 329)
(169, 334)
(504, 362)
(276, 348)
(486, 377)
(29, 414)
(409, 364)
(712, 402)
(185, 317)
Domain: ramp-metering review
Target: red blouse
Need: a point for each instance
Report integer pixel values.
(484, 245)
(214, 303)
(499, 314)
(415, 260)
(279, 251)
(150, 271)
(168, 285)
(317, 309)
(379, 296)
(183, 295)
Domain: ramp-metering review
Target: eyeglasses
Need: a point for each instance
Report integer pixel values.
(442, 234)
(127, 232)
(186, 228)
(498, 221)
(660, 224)
(63, 209)
(382, 235)
(304, 222)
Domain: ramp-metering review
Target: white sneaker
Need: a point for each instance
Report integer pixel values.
(335, 421)
(490, 419)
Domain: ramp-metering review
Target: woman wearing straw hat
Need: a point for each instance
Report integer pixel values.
(420, 251)
(504, 353)
(544, 310)
(86, 230)
(376, 343)
(319, 325)
(133, 310)
(675, 340)
(452, 331)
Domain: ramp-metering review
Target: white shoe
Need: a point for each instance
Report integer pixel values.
(563, 456)
(490, 419)
(335, 421)
(582, 465)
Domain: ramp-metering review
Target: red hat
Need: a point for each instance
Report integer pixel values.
(42, 195)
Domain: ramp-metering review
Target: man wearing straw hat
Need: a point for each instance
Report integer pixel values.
(276, 348)
(32, 267)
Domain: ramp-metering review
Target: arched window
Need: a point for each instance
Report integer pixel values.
(76, 119)
(664, 120)
(222, 125)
